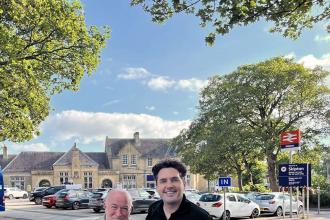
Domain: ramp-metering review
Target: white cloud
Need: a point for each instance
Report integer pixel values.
(112, 102)
(88, 127)
(192, 84)
(310, 61)
(150, 108)
(319, 38)
(175, 113)
(160, 83)
(29, 147)
(134, 73)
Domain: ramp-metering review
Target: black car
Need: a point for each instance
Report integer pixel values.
(141, 200)
(73, 198)
(37, 196)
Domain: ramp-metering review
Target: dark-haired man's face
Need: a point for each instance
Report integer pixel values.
(170, 186)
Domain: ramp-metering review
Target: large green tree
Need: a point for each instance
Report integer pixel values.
(45, 47)
(290, 17)
(268, 97)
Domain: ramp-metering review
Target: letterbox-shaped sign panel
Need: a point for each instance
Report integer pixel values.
(294, 175)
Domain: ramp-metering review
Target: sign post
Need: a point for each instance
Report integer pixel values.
(2, 192)
(224, 182)
(290, 140)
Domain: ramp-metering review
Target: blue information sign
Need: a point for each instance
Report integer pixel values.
(294, 175)
(224, 181)
(2, 191)
(150, 178)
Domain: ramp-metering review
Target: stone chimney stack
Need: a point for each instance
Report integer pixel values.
(5, 152)
(137, 141)
(75, 157)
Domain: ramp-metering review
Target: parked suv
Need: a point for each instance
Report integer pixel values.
(37, 196)
(73, 198)
(96, 202)
(14, 192)
(141, 200)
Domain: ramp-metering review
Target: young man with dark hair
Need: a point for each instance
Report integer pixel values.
(170, 184)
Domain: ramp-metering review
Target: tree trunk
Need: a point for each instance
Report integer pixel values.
(271, 162)
(239, 177)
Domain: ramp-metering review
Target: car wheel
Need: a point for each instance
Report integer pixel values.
(11, 196)
(227, 217)
(255, 213)
(300, 210)
(75, 205)
(25, 196)
(48, 206)
(38, 201)
(96, 210)
(279, 211)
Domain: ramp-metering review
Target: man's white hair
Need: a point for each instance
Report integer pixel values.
(128, 196)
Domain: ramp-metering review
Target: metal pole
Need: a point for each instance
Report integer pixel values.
(224, 215)
(290, 188)
(297, 199)
(303, 196)
(307, 190)
(318, 198)
(283, 202)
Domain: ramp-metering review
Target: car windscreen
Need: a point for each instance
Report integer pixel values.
(265, 197)
(210, 198)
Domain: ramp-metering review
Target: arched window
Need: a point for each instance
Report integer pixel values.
(106, 183)
(44, 183)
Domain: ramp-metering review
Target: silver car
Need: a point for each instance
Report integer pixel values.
(278, 203)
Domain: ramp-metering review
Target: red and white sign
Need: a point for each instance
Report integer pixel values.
(290, 140)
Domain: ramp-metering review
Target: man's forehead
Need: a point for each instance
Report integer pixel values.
(168, 172)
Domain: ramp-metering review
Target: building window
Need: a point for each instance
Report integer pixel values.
(129, 181)
(64, 177)
(150, 180)
(149, 162)
(76, 174)
(88, 180)
(17, 181)
(133, 160)
(125, 160)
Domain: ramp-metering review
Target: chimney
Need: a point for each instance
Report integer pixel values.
(137, 139)
(5, 152)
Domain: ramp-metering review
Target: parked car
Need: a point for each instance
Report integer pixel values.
(96, 202)
(152, 192)
(50, 200)
(141, 200)
(192, 196)
(73, 198)
(37, 196)
(236, 205)
(277, 203)
(15, 192)
(40, 188)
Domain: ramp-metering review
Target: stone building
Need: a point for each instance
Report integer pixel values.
(125, 163)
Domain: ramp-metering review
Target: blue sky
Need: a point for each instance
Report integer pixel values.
(150, 75)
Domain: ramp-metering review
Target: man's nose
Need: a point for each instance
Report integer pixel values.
(118, 212)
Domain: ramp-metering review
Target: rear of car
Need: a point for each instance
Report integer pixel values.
(37, 196)
(212, 203)
(74, 199)
(96, 202)
(141, 200)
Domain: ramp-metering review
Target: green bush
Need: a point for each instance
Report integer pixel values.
(255, 188)
(324, 199)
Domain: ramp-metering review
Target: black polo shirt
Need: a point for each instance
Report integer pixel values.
(186, 211)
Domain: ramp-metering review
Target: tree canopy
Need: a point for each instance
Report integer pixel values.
(290, 17)
(45, 47)
(247, 110)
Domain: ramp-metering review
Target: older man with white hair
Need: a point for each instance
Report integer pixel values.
(118, 205)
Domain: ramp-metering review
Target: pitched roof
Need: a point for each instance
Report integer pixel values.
(31, 160)
(4, 162)
(156, 148)
(66, 159)
(100, 158)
